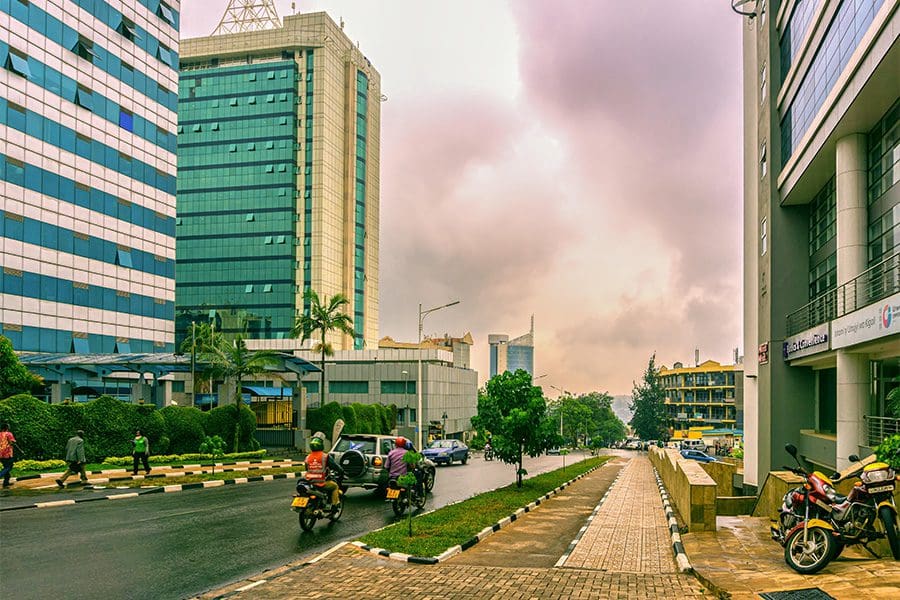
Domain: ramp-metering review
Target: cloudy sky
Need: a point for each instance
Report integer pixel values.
(579, 160)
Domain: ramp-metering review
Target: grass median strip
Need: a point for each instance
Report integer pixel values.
(453, 525)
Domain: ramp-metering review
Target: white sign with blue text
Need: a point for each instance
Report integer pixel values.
(877, 320)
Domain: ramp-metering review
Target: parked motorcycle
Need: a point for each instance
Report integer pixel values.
(401, 497)
(816, 523)
(312, 503)
(488, 452)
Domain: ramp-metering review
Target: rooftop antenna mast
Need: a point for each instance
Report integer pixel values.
(248, 15)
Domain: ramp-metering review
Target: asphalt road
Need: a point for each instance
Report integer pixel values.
(179, 545)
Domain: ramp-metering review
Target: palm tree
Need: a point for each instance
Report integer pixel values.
(227, 360)
(324, 316)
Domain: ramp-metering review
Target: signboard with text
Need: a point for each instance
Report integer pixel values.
(809, 342)
(877, 320)
(764, 353)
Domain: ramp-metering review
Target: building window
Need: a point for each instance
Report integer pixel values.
(128, 30)
(763, 237)
(267, 288)
(166, 13)
(178, 387)
(123, 258)
(348, 387)
(165, 56)
(763, 169)
(84, 97)
(248, 289)
(762, 84)
(85, 49)
(126, 119)
(268, 240)
(18, 64)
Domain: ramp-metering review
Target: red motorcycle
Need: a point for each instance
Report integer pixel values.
(816, 523)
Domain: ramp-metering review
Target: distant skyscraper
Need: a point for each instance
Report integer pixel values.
(512, 355)
(88, 106)
(279, 188)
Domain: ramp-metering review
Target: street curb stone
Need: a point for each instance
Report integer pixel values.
(487, 531)
(681, 557)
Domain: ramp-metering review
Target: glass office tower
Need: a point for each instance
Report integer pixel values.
(278, 181)
(88, 106)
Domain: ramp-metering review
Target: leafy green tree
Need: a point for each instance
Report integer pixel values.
(515, 412)
(233, 361)
(213, 446)
(324, 315)
(14, 377)
(201, 340)
(649, 418)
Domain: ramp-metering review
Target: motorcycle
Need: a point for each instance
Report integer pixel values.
(401, 497)
(488, 452)
(313, 504)
(815, 523)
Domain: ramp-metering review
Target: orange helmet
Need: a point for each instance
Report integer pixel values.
(400, 442)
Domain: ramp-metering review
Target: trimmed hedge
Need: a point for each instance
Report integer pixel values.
(358, 418)
(184, 427)
(35, 426)
(221, 421)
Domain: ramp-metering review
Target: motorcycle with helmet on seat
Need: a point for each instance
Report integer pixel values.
(318, 493)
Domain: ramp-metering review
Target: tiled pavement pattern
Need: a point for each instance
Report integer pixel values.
(630, 533)
(741, 558)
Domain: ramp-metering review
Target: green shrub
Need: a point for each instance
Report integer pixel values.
(40, 465)
(162, 459)
(367, 419)
(34, 425)
(69, 419)
(109, 428)
(323, 418)
(220, 422)
(184, 428)
(889, 451)
(350, 423)
(153, 425)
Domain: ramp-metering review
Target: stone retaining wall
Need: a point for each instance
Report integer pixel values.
(689, 486)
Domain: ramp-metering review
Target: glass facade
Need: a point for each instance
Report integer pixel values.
(797, 25)
(843, 35)
(822, 241)
(237, 206)
(359, 235)
(520, 357)
(884, 172)
(88, 166)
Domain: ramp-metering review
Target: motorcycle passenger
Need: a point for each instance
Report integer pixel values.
(318, 463)
(395, 465)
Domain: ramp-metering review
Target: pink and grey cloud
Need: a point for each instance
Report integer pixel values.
(577, 159)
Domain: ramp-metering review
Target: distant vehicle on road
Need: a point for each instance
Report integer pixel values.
(693, 444)
(553, 451)
(698, 456)
(633, 445)
(444, 452)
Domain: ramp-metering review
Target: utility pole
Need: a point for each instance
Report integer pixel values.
(193, 362)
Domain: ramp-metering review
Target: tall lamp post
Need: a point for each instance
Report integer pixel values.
(404, 375)
(422, 315)
(561, 391)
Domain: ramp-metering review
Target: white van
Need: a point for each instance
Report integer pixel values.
(693, 444)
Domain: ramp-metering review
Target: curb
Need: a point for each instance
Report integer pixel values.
(487, 531)
(154, 490)
(681, 557)
(125, 470)
(565, 556)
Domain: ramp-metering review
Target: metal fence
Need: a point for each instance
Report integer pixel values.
(879, 428)
(275, 438)
(876, 283)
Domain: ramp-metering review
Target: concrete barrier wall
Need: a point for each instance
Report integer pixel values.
(723, 474)
(691, 488)
(772, 492)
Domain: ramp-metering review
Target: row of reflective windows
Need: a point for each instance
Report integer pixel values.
(69, 38)
(69, 89)
(47, 235)
(844, 33)
(795, 31)
(46, 130)
(53, 289)
(40, 339)
(67, 190)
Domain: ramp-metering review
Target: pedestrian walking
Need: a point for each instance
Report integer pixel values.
(140, 451)
(7, 439)
(75, 458)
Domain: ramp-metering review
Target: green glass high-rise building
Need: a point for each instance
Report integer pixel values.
(278, 190)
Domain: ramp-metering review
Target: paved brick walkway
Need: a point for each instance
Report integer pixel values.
(629, 534)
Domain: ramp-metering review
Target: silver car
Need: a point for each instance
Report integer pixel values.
(362, 457)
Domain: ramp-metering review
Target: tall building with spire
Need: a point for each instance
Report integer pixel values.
(88, 101)
(512, 354)
(278, 144)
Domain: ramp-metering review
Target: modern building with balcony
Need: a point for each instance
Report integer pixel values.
(512, 354)
(88, 101)
(707, 395)
(278, 189)
(822, 229)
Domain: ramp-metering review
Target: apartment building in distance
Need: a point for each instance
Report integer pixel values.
(822, 229)
(88, 101)
(278, 191)
(707, 395)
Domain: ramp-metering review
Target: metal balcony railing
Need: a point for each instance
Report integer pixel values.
(877, 282)
(879, 428)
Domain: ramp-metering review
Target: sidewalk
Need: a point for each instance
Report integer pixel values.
(617, 555)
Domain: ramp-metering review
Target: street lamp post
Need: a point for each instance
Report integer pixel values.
(561, 391)
(405, 377)
(419, 385)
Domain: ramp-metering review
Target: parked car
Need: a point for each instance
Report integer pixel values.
(554, 450)
(362, 456)
(444, 452)
(693, 444)
(698, 456)
(633, 445)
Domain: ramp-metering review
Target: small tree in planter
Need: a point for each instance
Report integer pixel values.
(411, 459)
(213, 446)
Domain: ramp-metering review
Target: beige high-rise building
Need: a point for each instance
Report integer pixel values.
(279, 193)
